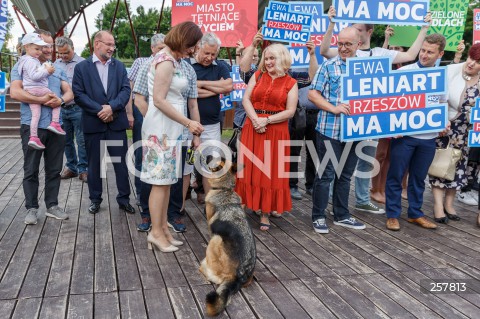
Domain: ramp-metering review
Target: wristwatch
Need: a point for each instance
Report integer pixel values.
(63, 103)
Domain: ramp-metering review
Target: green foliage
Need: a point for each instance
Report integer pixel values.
(144, 25)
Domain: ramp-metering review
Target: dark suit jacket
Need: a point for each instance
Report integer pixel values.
(90, 95)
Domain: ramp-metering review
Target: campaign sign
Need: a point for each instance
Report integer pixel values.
(301, 57)
(229, 20)
(238, 85)
(225, 102)
(385, 103)
(2, 87)
(284, 25)
(476, 26)
(320, 21)
(449, 18)
(474, 133)
(382, 11)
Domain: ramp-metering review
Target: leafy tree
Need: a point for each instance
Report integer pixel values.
(8, 37)
(144, 25)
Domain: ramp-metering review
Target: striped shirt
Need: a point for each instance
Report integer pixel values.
(327, 82)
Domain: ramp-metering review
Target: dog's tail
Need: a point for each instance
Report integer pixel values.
(217, 300)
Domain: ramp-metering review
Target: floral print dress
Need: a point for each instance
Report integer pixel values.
(458, 135)
(162, 136)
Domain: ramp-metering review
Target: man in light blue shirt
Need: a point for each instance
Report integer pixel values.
(71, 115)
(54, 143)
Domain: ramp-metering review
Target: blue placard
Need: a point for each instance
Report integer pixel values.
(2, 103)
(238, 85)
(391, 124)
(373, 78)
(284, 25)
(301, 57)
(320, 21)
(410, 12)
(283, 35)
(2, 80)
(474, 133)
(385, 103)
(226, 103)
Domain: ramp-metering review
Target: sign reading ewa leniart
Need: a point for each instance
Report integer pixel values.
(386, 103)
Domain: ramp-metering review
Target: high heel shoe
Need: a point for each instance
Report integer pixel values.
(454, 217)
(175, 242)
(152, 241)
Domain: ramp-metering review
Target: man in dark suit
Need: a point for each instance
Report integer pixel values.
(102, 90)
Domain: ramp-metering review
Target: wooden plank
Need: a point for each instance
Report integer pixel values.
(296, 267)
(126, 266)
(158, 305)
(200, 292)
(54, 307)
(58, 283)
(307, 299)
(6, 308)
(36, 277)
(27, 308)
(360, 303)
(132, 304)
(412, 288)
(330, 298)
(18, 265)
(309, 244)
(381, 292)
(84, 263)
(183, 303)
(281, 298)
(457, 301)
(106, 306)
(80, 306)
(105, 279)
(259, 302)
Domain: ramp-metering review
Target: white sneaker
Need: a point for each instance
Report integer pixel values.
(468, 198)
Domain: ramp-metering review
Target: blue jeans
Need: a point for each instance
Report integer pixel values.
(341, 184)
(72, 125)
(137, 136)
(413, 154)
(362, 185)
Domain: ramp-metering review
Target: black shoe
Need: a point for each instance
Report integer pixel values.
(441, 220)
(454, 217)
(127, 208)
(94, 208)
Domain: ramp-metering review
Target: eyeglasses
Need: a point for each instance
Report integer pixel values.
(347, 45)
(112, 45)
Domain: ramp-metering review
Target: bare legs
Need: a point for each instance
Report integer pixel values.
(440, 205)
(158, 204)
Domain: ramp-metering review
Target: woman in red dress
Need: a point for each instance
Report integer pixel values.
(269, 101)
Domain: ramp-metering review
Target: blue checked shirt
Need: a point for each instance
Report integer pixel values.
(191, 92)
(137, 64)
(141, 78)
(327, 82)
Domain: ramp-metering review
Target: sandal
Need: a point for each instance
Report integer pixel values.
(264, 226)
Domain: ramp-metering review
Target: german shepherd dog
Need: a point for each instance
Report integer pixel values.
(231, 255)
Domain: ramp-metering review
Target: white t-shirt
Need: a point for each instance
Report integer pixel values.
(432, 99)
(377, 52)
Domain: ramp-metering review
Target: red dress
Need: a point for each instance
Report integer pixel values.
(261, 185)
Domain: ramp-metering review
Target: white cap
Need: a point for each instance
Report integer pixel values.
(34, 38)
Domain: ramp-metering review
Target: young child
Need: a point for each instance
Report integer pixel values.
(35, 81)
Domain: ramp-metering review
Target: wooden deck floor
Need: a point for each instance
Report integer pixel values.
(99, 266)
